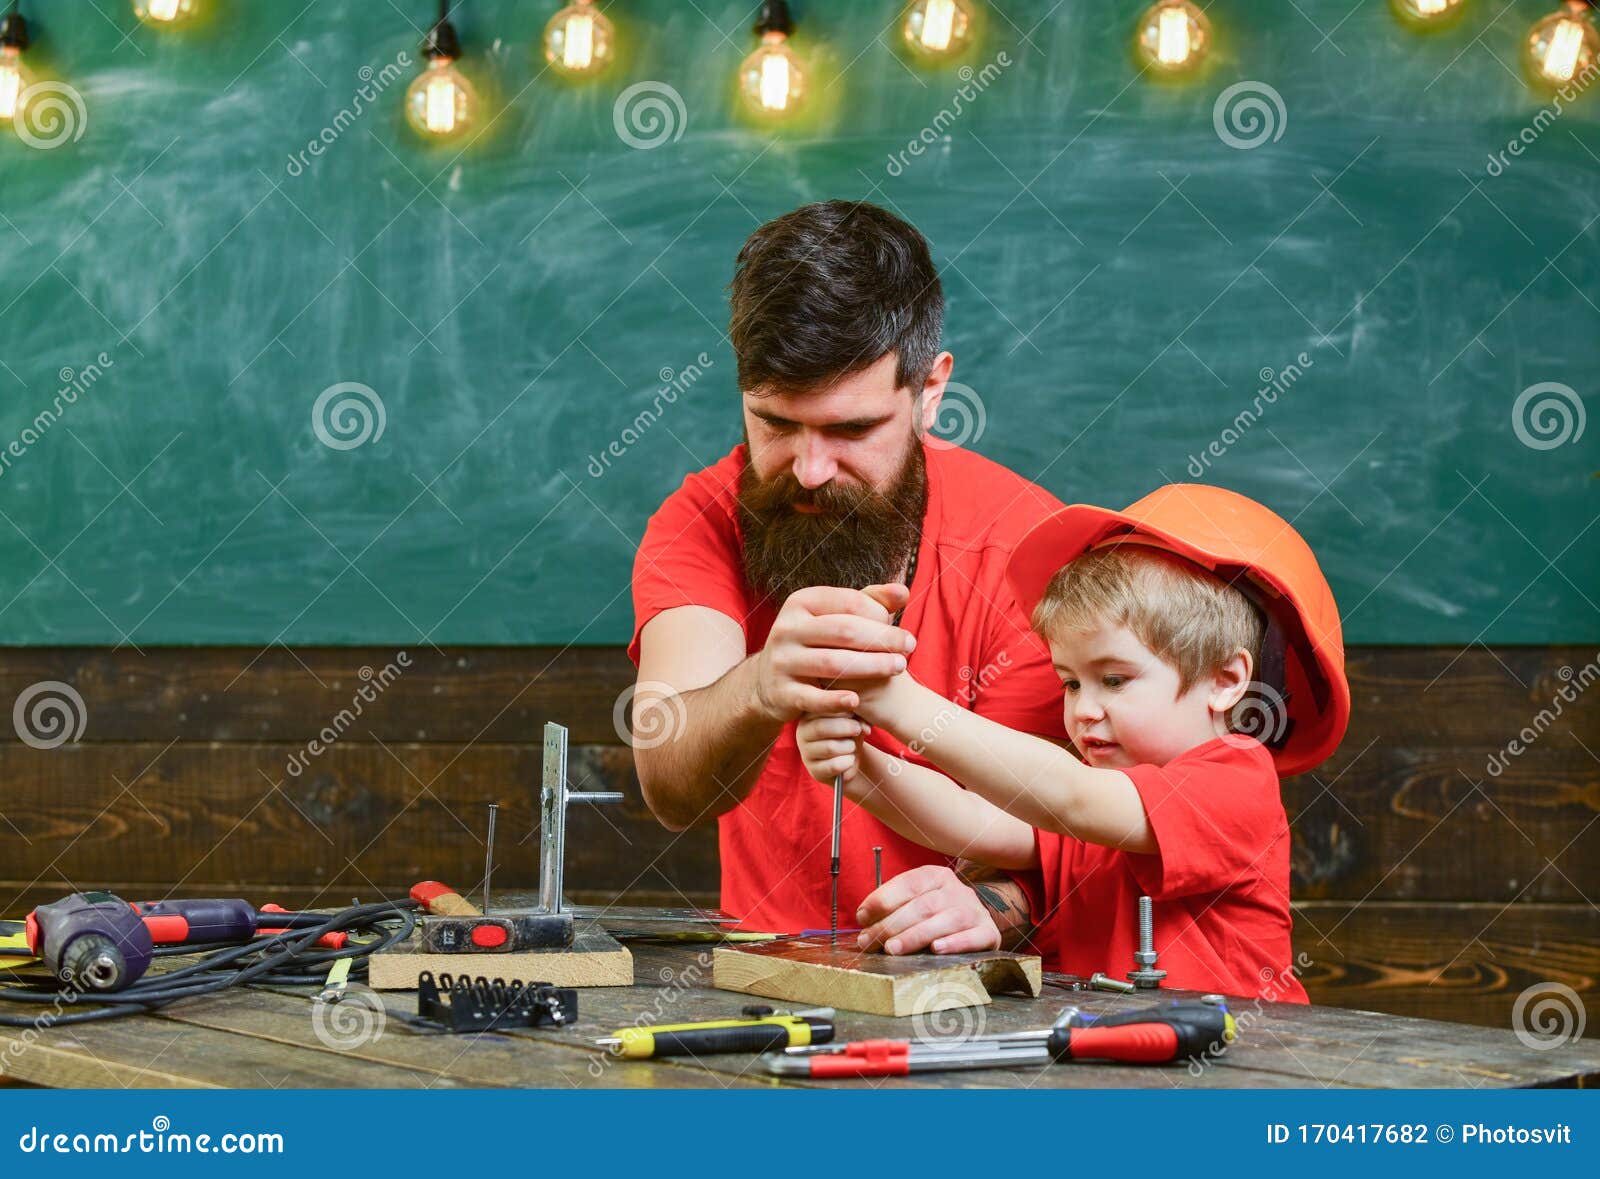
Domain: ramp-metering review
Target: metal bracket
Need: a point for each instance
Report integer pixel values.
(554, 797)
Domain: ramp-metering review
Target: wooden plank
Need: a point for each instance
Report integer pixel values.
(815, 971)
(1431, 696)
(364, 819)
(1431, 824)
(1395, 824)
(518, 1058)
(248, 694)
(1465, 962)
(595, 959)
(138, 1052)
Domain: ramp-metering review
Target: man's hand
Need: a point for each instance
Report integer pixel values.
(825, 634)
(830, 745)
(926, 908)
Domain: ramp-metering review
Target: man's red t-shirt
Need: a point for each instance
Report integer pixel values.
(1219, 883)
(973, 647)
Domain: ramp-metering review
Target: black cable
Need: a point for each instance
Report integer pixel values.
(288, 958)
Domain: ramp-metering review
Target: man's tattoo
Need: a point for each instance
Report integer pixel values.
(991, 898)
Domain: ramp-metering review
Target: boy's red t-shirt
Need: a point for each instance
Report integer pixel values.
(1219, 883)
(974, 646)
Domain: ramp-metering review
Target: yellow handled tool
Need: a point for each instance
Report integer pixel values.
(760, 1030)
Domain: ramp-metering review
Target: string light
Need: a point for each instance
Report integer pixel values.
(1173, 37)
(937, 30)
(772, 81)
(14, 77)
(165, 13)
(441, 103)
(1426, 14)
(578, 40)
(1563, 46)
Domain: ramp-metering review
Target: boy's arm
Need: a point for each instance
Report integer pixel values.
(929, 809)
(919, 803)
(1027, 776)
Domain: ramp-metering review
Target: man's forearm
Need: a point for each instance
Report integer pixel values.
(1004, 898)
(720, 737)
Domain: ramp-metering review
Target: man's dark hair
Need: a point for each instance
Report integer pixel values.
(828, 290)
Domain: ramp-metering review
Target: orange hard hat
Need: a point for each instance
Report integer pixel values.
(1302, 700)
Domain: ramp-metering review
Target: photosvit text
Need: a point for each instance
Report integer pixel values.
(1417, 1134)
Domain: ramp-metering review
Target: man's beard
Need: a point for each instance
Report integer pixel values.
(857, 537)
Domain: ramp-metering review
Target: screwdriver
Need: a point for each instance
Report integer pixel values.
(761, 1030)
(1151, 1035)
(838, 824)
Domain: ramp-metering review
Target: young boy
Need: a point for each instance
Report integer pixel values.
(1200, 653)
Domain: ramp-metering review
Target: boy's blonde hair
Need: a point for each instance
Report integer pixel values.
(1190, 618)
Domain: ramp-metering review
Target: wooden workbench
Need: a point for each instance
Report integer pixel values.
(266, 1038)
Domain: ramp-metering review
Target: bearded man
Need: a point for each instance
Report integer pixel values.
(749, 610)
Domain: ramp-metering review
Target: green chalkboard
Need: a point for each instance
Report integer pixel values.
(1120, 279)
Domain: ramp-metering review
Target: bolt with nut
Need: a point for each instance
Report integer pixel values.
(1145, 975)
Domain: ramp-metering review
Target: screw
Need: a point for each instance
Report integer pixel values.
(488, 857)
(1145, 975)
(1104, 982)
(877, 866)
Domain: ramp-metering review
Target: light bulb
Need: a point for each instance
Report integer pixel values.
(578, 40)
(165, 13)
(1563, 46)
(772, 81)
(1426, 14)
(13, 81)
(935, 29)
(1173, 37)
(441, 102)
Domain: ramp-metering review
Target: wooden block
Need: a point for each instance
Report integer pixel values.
(815, 971)
(595, 959)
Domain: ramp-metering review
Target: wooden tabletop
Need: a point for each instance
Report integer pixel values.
(269, 1039)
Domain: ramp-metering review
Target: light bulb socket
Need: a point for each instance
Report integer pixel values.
(442, 41)
(774, 18)
(14, 32)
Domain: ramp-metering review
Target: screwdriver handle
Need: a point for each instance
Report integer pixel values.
(766, 1034)
(1156, 1035)
(702, 1041)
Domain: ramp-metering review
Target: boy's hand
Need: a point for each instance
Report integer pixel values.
(926, 908)
(829, 745)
